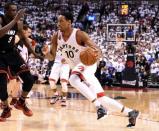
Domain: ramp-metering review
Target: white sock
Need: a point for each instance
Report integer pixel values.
(52, 84)
(96, 103)
(106, 102)
(64, 87)
(126, 110)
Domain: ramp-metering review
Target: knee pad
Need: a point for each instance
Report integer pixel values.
(73, 78)
(52, 84)
(64, 87)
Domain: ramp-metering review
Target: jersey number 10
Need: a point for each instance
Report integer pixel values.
(70, 54)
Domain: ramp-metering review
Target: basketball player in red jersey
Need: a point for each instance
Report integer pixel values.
(10, 25)
(71, 42)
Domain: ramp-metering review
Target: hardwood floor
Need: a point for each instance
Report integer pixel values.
(80, 115)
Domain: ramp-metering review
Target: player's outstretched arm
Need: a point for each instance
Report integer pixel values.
(3, 30)
(50, 53)
(27, 43)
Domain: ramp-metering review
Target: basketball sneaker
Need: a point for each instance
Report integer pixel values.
(132, 117)
(6, 113)
(101, 112)
(63, 102)
(13, 101)
(22, 106)
(54, 99)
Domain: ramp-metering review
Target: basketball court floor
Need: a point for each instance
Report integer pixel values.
(80, 115)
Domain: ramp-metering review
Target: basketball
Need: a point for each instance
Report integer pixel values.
(87, 56)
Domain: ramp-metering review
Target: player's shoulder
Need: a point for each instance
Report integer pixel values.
(81, 33)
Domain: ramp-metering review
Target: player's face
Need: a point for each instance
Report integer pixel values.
(11, 12)
(63, 24)
(28, 32)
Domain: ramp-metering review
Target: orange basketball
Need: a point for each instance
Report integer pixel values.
(87, 56)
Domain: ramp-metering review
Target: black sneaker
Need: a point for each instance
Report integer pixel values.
(6, 113)
(132, 118)
(101, 112)
(13, 101)
(54, 99)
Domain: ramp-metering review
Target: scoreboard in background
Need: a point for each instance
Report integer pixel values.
(124, 9)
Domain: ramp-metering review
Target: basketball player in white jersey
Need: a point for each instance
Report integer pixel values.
(14, 83)
(71, 42)
(60, 69)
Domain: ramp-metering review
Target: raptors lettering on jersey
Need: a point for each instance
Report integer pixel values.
(70, 49)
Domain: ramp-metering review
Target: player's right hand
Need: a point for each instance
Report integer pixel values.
(97, 52)
(19, 15)
(45, 49)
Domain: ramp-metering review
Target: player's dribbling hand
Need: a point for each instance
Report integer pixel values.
(45, 49)
(97, 52)
(19, 15)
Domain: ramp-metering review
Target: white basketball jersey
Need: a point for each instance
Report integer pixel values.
(70, 49)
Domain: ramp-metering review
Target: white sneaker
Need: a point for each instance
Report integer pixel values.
(63, 102)
(54, 99)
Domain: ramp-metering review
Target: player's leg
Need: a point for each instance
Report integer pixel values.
(13, 90)
(64, 76)
(108, 102)
(4, 97)
(77, 80)
(53, 78)
(19, 68)
(26, 87)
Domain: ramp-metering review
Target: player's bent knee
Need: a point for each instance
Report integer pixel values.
(73, 80)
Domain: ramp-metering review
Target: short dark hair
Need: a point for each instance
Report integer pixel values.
(68, 16)
(7, 5)
(26, 27)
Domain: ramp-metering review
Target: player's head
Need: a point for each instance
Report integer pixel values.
(65, 20)
(27, 30)
(10, 10)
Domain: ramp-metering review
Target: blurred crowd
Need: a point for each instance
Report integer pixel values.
(41, 15)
